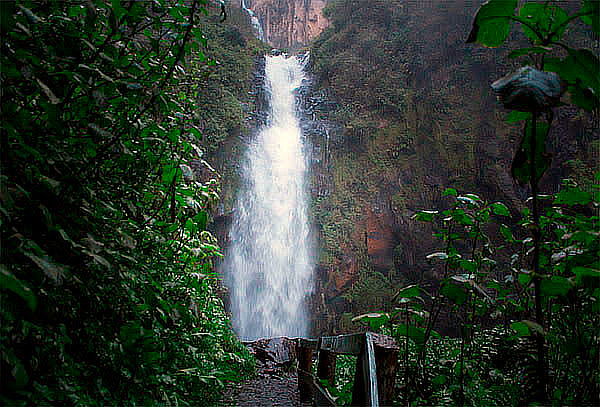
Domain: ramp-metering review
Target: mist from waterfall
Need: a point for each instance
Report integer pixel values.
(269, 267)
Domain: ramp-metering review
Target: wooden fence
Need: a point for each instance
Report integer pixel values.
(375, 368)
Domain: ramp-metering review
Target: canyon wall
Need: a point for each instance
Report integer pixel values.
(399, 109)
(290, 24)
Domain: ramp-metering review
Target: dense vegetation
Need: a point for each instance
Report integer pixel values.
(525, 290)
(111, 110)
(108, 288)
(412, 114)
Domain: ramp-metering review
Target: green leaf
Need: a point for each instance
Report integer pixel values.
(522, 161)
(118, 9)
(516, 116)
(450, 192)
(547, 20)
(593, 8)
(425, 216)
(500, 209)
(18, 370)
(454, 292)
(555, 286)
(201, 219)
(585, 98)
(168, 174)
(585, 275)
(410, 291)
(374, 319)
(437, 255)
(534, 327)
(7, 18)
(414, 333)
(520, 328)
(580, 66)
(525, 279)
(573, 196)
(468, 265)
(173, 135)
(492, 23)
(439, 379)
(507, 233)
(468, 200)
(11, 283)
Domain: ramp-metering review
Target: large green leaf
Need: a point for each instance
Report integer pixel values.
(492, 23)
(586, 276)
(580, 65)
(592, 10)
(412, 332)
(520, 328)
(516, 116)
(526, 328)
(543, 20)
(583, 97)
(425, 216)
(522, 162)
(454, 292)
(555, 286)
(410, 291)
(581, 70)
(500, 209)
(573, 196)
(375, 319)
(11, 283)
(528, 51)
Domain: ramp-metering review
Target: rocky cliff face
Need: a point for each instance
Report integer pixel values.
(290, 24)
(400, 110)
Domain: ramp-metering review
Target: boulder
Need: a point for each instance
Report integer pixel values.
(273, 353)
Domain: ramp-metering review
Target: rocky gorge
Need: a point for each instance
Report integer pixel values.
(290, 24)
(397, 109)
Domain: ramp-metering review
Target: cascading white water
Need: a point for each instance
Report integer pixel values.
(255, 21)
(269, 265)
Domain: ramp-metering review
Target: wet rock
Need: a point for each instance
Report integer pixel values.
(290, 23)
(380, 240)
(347, 272)
(529, 90)
(273, 353)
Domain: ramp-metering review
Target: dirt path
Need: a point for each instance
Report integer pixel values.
(270, 388)
(276, 381)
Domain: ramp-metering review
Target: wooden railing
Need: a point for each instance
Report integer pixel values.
(375, 368)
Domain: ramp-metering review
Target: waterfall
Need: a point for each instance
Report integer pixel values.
(270, 264)
(255, 21)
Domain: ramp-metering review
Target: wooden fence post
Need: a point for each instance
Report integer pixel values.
(386, 360)
(305, 362)
(326, 366)
(359, 396)
(376, 367)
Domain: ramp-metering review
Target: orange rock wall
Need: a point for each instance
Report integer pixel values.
(290, 23)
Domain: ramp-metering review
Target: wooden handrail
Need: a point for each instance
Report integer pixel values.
(375, 367)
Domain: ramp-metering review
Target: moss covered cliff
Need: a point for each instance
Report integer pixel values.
(410, 113)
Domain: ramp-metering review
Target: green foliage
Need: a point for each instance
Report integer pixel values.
(484, 277)
(103, 220)
(492, 23)
(531, 155)
(544, 26)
